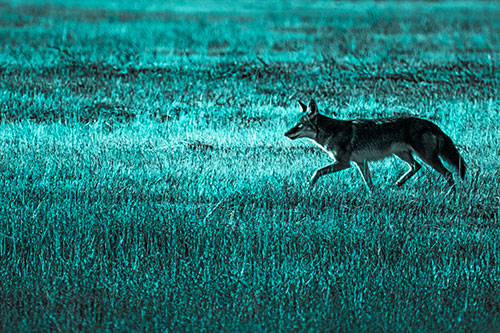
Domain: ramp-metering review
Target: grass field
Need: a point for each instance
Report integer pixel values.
(146, 184)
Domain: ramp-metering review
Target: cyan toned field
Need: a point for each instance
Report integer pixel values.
(146, 184)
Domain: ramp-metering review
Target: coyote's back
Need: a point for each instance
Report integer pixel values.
(365, 140)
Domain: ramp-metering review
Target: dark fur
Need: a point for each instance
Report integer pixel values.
(353, 135)
(364, 140)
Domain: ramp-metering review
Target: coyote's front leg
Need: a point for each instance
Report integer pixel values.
(337, 166)
(365, 173)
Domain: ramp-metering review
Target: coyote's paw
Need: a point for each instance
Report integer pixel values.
(314, 179)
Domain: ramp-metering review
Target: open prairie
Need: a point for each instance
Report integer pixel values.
(146, 182)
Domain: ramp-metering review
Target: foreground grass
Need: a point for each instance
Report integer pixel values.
(146, 182)
(143, 228)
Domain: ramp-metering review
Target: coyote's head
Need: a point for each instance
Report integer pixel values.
(307, 126)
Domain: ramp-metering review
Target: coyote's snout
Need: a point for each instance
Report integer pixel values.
(364, 140)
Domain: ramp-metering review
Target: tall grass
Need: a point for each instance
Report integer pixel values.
(146, 183)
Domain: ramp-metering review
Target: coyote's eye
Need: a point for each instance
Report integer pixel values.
(300, 125)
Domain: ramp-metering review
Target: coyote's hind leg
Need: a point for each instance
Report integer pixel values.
(434, 161)
(414, 167)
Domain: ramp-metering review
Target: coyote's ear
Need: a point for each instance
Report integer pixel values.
(303, 106)
(313, 108)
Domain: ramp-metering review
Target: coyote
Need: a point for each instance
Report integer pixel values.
(364, 140)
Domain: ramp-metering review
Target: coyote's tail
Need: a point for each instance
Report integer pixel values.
(449, 153)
